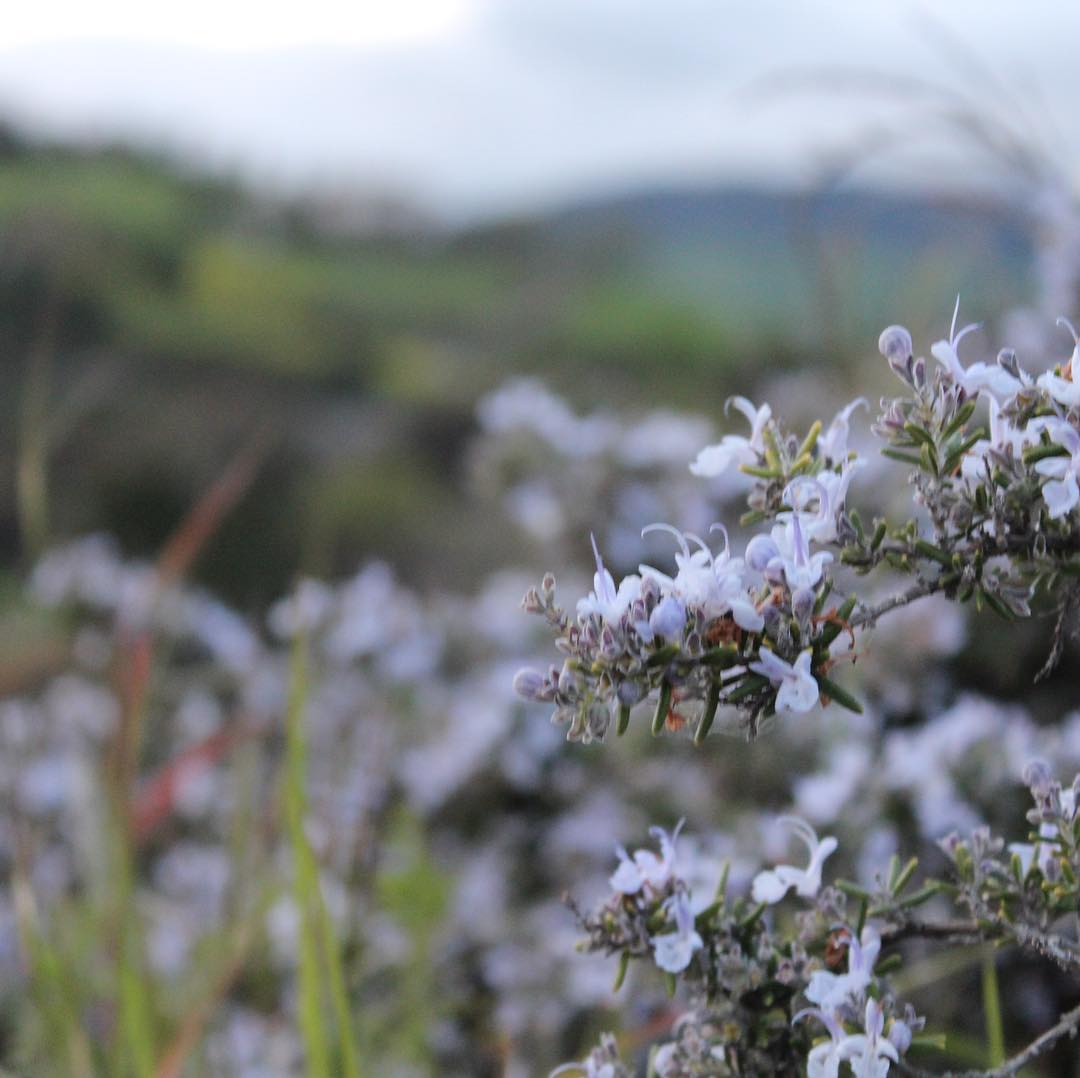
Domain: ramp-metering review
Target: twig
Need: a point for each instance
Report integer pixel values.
(868, 615)
(939, 930)
(1066, 1026)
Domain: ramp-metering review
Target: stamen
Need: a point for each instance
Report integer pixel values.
(679, 537)
(724, 532)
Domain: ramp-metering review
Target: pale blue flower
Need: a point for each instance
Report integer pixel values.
(674, 950)
(1004, 437)
(869, 1053)
(1061, 492)
(668, 619)
(978, 376)
(711, 582)
(1065, 391)
(609, 602)
(786, 555)
(824, 1059)
(733, 449)
(645, 867)
(830, 489)
(831, 991)
(771, 886)
(798, 689)
(833, 444)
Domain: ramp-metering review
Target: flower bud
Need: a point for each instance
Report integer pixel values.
(532, 604)
(668, 619)
(895, 344)
(529, 684)
(918, 373)
(802, 604)
(1037, 775)
(900, 1035)
(772, 618)
(1008, 362)
(760, 551)
(567, 680)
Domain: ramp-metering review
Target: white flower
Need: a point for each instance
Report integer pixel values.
(830, 991)
(733, 448)
(801, 569)
(1061, 492)
(900, 1035)
(664, 1060)
(1004, 437)
(833, 443)
(713, 583)
(824, 1059)
(771, 886)
(668, 619)
(830, 488)
(1065, 391)
(869, 1053)
(978, 376)
(645, 867)
(798, 688)
(607, 601)
(673, 950)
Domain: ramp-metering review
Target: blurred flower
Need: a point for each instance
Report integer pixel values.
(830, 991)
(978, 376)
(673, 950)
(605, 600)
(733, 448)
(868, 1053)
(771, 886)
(798, 689)
(834, 442)
(646, 867)
(1064, 388)
(1061, 492)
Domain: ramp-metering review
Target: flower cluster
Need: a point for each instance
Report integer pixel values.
(996, 520)
(744, 632)
(1023, 889)
(760, 997)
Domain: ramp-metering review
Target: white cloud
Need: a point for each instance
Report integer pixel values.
(476, 106)
(233, 24)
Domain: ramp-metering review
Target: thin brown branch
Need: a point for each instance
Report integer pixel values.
(1066, 1026)
(938, 930)
(868, 615)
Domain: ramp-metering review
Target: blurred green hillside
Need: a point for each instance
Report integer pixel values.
(152, 321)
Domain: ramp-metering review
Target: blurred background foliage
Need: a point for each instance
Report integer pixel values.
(159, 317)
(159, 321)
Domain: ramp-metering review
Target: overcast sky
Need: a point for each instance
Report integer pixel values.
(477, 107)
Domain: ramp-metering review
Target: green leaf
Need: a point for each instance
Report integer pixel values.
(712, 701)
(967, 410)
(902, 457)
(838, 695)
(663, 706)
(620, 973)
(750, 684)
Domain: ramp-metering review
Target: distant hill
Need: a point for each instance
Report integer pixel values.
(173, 314)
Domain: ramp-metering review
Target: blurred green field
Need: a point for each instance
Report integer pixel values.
(161, 318)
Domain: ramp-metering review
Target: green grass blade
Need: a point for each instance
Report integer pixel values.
(305, 872)
(991, 998)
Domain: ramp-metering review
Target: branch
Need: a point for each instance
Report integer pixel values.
(938, 930)
(1058, 949)
(868, 615)
(1066, 1026)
